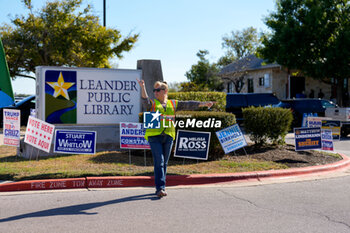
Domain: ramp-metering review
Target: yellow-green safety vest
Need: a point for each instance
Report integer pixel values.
(166, 118)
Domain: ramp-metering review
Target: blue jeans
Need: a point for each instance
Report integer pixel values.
(161, 148)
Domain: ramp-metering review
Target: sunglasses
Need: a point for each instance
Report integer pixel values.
(158, 89)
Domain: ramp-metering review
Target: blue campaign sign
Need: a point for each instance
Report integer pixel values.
(307, 138)
(75, 142)
(231, 138)
(192, 144)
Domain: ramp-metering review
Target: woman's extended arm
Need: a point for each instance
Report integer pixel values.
(143, 88)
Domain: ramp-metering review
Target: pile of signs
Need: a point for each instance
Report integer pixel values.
(319, 134)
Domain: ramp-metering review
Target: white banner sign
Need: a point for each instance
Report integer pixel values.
(39, 134)
(11, 127)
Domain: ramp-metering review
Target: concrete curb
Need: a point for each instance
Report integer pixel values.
(148, 181)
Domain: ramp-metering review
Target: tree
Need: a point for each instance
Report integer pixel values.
(312, 36)
(61, 35)
(204, 74)
(239, 45)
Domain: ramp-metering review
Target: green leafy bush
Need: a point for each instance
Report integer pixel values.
(263, 124)
(218, 97)
(211, 119)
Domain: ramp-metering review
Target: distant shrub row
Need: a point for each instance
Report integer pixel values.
(218, 97)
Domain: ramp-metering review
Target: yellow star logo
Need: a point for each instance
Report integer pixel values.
(60, 87)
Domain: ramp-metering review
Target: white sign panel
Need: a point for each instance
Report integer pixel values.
(11, 127)
(88, 95)
(39, 134)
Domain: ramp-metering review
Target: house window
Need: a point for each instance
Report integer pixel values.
(261, 81)
(266, 80)
(250, 86)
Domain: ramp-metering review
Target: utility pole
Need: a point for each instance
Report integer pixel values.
(104, 13)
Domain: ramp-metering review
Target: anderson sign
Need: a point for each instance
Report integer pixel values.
(87, 95)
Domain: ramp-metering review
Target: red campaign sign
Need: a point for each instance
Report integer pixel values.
(39, 134)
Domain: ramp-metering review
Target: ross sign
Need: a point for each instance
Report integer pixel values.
(75, 142)
(132, 136)
(307, 138)
(231, 138)
(335, 126)
(39, 134)
(11, 127)
(327, 139)
(192, 144)
(87, 95)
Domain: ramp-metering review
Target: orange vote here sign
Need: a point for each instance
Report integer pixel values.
(39, 134)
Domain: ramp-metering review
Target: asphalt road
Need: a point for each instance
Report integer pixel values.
(308, 206)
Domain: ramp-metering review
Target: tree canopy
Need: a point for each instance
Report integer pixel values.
(239, 44)
(312, 36)
(204, 74)
(61, 34)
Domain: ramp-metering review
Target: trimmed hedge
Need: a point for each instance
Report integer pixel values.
(226, 119)
(263, 124)
(218, 97)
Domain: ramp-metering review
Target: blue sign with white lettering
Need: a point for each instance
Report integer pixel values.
(75, 142)
(231, 138)
(307, 138)
(192, 144)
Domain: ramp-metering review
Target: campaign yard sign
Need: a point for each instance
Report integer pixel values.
(39, 134)
(11, 127)
(327, 139)
(335, 126)
(132, 136)
(75, 142)
(307, 138)
(192, 144)
(231, 138)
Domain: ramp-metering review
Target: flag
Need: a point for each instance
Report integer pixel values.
(6, 93)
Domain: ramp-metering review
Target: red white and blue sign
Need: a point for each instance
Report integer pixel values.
(327, 139)
(132, 136)
(231, 138)
(307, 138)
(192, 144)
(75, 142)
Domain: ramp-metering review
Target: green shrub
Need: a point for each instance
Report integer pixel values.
(218, 97)
(226, 119)
(263, 124)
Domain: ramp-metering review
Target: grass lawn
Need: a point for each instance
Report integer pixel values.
(116, 164)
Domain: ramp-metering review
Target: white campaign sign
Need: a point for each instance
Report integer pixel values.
(39, 134)
(11, 129)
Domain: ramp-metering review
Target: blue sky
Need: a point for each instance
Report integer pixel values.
(170, 31)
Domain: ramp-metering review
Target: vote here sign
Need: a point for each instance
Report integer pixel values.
(39, 134)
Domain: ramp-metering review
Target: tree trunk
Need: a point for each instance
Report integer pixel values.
(340, 91)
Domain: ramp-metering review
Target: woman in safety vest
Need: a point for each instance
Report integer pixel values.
(161, 139)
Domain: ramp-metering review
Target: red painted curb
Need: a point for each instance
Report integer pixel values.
(148, 181)
(44, 184)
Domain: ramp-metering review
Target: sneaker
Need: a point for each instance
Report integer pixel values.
(161, 193)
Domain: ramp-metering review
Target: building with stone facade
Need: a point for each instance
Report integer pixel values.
(253, 75)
